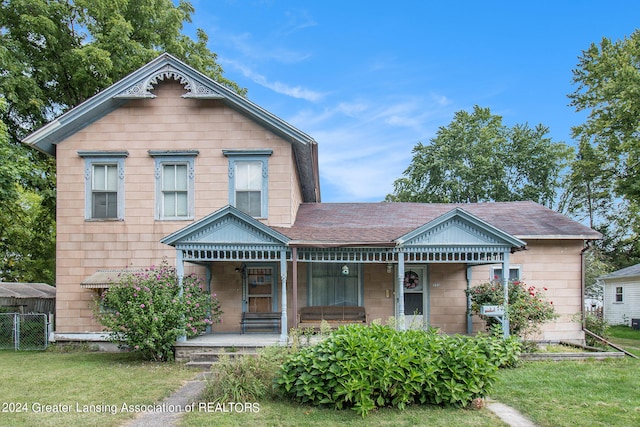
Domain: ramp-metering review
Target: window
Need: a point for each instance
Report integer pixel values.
(248, 180)
(335, 284)
(514, 273)
(619, 295)
(175, 177)
(104, 184)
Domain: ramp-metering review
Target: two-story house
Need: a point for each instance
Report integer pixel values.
(168, 164)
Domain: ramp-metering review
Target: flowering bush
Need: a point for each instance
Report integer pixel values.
(147, 310)
(528, 306)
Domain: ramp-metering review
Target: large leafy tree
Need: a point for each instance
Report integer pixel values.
(605, 182)
(54, 54)
(476, 158)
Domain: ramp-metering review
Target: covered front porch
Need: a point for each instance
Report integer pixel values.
(449, 247)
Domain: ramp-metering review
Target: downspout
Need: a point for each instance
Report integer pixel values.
(582, 284)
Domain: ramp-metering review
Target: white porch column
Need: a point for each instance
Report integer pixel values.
(283, 278)
(505, 285)
(400, 293)
(180, 273)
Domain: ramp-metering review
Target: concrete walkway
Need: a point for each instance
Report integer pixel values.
(173, 407)
(508, 414)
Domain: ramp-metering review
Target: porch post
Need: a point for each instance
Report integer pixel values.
(180, 273)
(294, 285)
(283, 278)
(400, 300)
(505, 285)
(469, 316)
(208, 288)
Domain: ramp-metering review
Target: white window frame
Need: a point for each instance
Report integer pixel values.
(96, 158)
(262, 156)
(165, 158)
(615, 294)
(498, 268)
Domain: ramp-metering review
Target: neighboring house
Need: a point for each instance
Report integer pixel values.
(622, 296)
(166, 163)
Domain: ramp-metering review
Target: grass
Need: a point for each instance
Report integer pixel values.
(31, 380)
(570, 393)
(625, 337)
(285, 414)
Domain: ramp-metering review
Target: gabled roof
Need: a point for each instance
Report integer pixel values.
(625, 273)
(227, 226)
(138, 85)
(458, 227)
(383, 223)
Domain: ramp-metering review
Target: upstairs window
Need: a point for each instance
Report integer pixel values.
(175, 176)
(248, 181)
(104, 184)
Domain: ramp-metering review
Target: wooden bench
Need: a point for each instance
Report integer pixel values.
(261, 322)
(334, 315)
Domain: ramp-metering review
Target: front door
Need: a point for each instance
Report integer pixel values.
(416, 301)
(259, 290)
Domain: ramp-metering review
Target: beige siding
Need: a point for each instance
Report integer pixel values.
(167, 122)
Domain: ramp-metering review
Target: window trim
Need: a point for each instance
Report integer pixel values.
(257, 155)
(92, 158)
(516, 267)
(182, 157)
(615, 294)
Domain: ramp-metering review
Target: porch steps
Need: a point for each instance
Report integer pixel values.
(205, 359)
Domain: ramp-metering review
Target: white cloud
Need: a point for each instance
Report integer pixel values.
(278, 87)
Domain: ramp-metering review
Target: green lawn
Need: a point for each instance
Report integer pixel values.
(594, 393)
(52, 389)
(627, 338)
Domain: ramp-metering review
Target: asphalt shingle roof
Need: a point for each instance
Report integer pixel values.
(382, 223)
(632, 271)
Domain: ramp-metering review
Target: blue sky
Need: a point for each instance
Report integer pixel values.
(368, 80)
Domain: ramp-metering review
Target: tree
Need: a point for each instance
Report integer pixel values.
(477, 159)
(605, 182)
(55, 54)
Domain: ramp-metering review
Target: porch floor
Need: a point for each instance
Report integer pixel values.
(232, 340)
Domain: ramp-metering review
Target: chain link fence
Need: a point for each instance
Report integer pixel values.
(24, 331)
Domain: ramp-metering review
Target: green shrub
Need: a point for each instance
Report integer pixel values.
(504, 353)
(528, 306)
(598, 326)
(246, 378)
(148, 311)
(364, 367)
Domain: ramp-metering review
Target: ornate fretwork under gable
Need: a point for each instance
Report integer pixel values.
(458, 236)
(194, 87)
(227, 234)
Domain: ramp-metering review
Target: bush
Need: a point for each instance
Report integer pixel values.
(598, 326)
(528, 306)
(245, 378)
(148, 311)
(364, 367)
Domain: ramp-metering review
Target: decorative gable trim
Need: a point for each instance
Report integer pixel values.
(195, 88)
(459, 228)
(227, 226)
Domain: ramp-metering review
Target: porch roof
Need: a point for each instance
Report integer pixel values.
(383, 224)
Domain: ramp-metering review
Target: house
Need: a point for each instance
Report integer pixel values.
(168, 164)
(622, 297)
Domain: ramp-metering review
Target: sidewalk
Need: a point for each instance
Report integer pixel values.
(184, 396)
(189, 392)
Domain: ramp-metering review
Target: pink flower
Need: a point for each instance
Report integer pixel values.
(141, 305)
